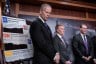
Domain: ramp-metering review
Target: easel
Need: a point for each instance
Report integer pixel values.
(2, 60)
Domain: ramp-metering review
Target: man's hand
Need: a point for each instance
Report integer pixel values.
(57, 58)
(87, 58)
(68, 62)
(94, 60)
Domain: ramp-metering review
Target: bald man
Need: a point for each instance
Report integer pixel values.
(44, 52)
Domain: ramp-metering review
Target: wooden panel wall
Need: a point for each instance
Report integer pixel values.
(92, 15)
(69, 13)
(72, 13)
(60, 13)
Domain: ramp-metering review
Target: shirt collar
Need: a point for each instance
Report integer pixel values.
(59, 35)
(82, 35)
(41, 19)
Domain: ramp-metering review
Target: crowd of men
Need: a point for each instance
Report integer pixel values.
(55, 50)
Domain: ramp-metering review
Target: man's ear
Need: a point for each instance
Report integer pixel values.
(40, 12)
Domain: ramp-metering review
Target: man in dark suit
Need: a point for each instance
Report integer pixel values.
(94, 46)
(82, 46)
(44, 52)
(61, 45)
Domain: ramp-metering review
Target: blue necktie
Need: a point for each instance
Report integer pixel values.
(47, 27)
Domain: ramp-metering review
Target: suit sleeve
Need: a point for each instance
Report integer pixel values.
(91, 48)
(94, 46)
(40, 42)
(75, 47)
(56, 45)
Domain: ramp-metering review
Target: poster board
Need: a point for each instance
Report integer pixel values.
(16, 38)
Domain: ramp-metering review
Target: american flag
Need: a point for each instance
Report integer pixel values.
(7, 7)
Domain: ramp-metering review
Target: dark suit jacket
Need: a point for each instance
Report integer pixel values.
(44, 51)
(60, 47)
(94, 45)
(79, 49)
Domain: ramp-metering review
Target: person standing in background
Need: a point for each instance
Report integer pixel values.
(94, 46)
(61, 45)
(44, 52)
(82, 46)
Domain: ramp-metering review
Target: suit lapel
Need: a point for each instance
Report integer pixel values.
(81, 40)
(47, 32)
(80, 37)
(61, 43)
